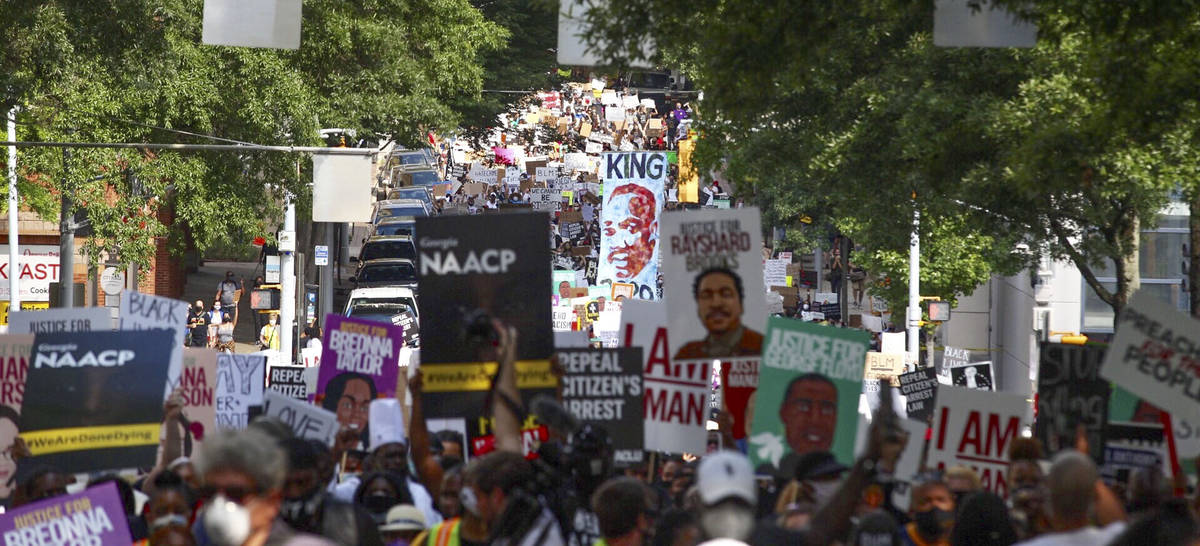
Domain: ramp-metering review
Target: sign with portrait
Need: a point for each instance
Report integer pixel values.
(359, 363)
(629, 219)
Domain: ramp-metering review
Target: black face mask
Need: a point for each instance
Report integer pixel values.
(300, 512)
(378, 505)
(933, 522)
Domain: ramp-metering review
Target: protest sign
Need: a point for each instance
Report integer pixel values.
(604, 387)
(288, 381)
(307, 421)
(70, 319)
(629, 246)
(775, 273)
(576, 161)
(543, 174)
(94, 400)
(630, 101)
(676, 400)
(310, 357)
(92, 516)
(408, 322)
(809, 384)
(593, 147)
(919, 389)
(14, 365)
(609, 98)
(359, 363)
(1152, 357)
(1130, 446)
(952, 358)
(884, 366)
(149, 312)
(197, 388)
(976, 375)
(974, 429)
(1071, 393)
(545, 199)
(239, 386)
(892, 342)
(561, 184)
(614, 113)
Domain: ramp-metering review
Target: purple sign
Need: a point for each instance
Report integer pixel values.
(93, 516)
(359, 363)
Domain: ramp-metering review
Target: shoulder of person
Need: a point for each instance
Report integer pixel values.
(750, 340)
(692, 349)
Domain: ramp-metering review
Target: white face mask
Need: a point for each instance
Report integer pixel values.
(727, 521)
(227, 523)
(823, 491)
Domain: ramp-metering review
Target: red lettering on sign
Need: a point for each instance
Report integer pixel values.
(659, 354)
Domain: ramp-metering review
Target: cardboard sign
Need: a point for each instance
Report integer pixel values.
(239, 386)
(884, 366)
(604, 387)
(306, 420)
(629, 219)
(14, 365)
(545, 199)
(288, 381)
(149, 312)
(952, 358)
(974, 429)
(72, 319)
(1151, 357)
(976, 375)
(359, 363)
(919, 389)
(585, 130)
(92, 516)
(808, 393)
(198, 389)
(1070, 393)
(94, 400)
(677, 397)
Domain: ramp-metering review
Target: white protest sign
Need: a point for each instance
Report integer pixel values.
(952, 358)
(310, 357)
(149, 312)
(975, 375)
(825, 297)
(561, 184)
(306, 420)
(677, 397)
(545, 199)
(1154, 355)
(629, 101)
(561, 318)
(70, 319)
(240, 381)
(872, 323)
(775, 273)
(974, 429)
(542, 174)
(575, 161)
(609, 98)
(594, 148)
(891, 342)
(649, 104)
(614, 113)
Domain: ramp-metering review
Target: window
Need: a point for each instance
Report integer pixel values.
(1160, 261)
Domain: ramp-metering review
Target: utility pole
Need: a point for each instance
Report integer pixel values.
(287, 277)
(66, 240)
(14, 283)
(914, 286)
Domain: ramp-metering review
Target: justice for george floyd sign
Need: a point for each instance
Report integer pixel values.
(1156, 355)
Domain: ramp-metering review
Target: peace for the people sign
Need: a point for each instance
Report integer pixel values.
(974, 428)
(1156, 355)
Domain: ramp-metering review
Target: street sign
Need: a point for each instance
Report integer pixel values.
(321, 255)
(112, 281)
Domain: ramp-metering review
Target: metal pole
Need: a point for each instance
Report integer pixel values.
(287, 300)
(325, 290)
(66, 241)
(12, 141)
(14, 269)
(914, 288)
(844, 290)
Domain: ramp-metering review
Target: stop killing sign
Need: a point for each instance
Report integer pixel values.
(974, 429)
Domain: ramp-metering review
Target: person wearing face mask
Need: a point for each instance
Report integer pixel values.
(962, 482)
(626, 511)
(243, 475)
(932, 511)
(170, 504)
(379, 492)
(268, 337)
(198, 325)
(308, 508)
(819, 475)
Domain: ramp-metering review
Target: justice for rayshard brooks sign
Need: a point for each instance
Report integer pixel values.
(1156, 355)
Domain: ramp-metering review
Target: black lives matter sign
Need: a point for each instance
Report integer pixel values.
(919, 389)
(603, 387)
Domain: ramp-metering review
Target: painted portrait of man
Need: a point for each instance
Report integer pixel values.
(720, 297)
(634, 237)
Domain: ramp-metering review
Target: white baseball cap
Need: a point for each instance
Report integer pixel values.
(726, 474)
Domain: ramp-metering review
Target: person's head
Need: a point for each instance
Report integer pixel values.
(302, 487)
(186, 470)
(449, 502)
(819, 475)
(1147, 489)
(932, 508)
(172, 535)
(451, 444)
(41, 482)
(983, 519)
(8, 437)
(809, 413)
(728, 496)
(564, 289)
(273, 319)
(1171, 524)
(171, 503)
(229, 275)
(636, 235)
(491, 480)
(1072, 487)
(877, 528)
(378, 492)
(124, 492)
(389, 457)
(676, 527)
(243, 474)
(402, 524)
(216, 306)
(349, 395)
(962, 481)
(719, 298)
(669, 470)
(199, 305)
(625, 508)
(325, 463)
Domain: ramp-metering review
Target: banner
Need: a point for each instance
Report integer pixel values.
(94, 400)
(1153, 355)
(37, 272)
(239, 386)
(92, 516)
(603, 387)
(360, 361)
(198, 388)
(149, 312)
(288, 381)
(919, 389)
(71, 319)
(808, 393)
(629, 218)
(676, 403)
(1070, 392)
(974, 429)
(307, 421)
(14, 365)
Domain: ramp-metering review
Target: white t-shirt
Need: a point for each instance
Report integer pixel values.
(1086, 536)
(421, 498)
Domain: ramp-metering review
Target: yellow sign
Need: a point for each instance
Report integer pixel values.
(58, 440)
(789, 280)
(477, 376)
(689, 179)
(25, 306)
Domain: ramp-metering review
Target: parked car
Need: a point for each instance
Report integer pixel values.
(386, 246)
(402, 158)
(382, 295)
(399, 207)
(423, 176)
(421, 193)
(394, 225)
(385, 272)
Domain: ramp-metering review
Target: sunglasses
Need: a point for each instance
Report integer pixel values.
(237, 495)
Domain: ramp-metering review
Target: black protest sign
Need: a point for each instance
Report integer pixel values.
(603, 387)
(1071, 392)
(408, 321)
(920, 393)
(94, 400)
(288, 381)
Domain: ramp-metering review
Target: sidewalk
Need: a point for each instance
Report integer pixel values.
(202, 285)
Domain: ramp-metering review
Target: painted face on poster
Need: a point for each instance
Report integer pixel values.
(629, 219)
(974, 376)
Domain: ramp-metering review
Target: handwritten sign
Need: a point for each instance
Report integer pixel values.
(149, 312)
(239, 386)
(306, 420)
